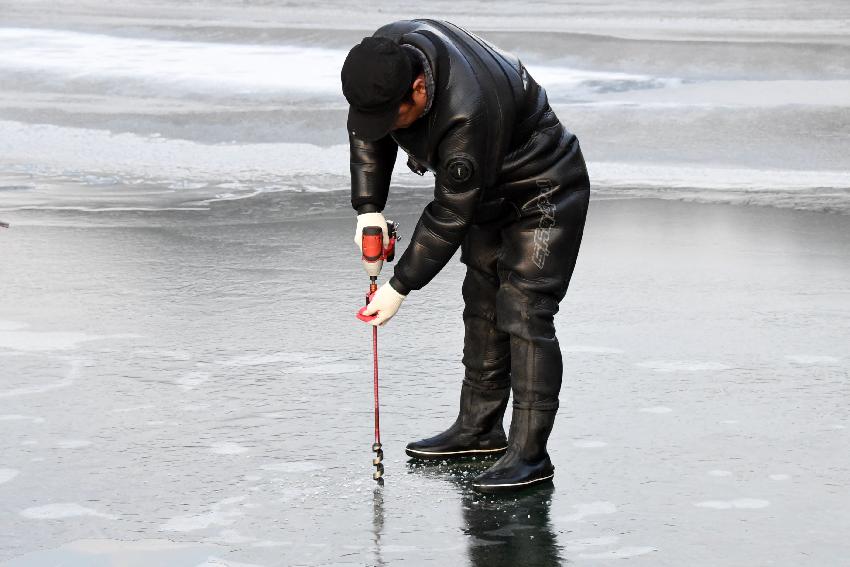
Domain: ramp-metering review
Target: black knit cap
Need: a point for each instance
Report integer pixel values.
(376, 75)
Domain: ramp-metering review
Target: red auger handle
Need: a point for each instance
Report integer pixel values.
(360, 315)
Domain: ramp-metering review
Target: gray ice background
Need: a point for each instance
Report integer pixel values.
(182, 381)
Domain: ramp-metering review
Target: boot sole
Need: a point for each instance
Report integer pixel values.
(416, 454)
(512, 486)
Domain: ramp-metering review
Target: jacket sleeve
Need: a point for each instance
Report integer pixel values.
(371, 169)
(445, 220)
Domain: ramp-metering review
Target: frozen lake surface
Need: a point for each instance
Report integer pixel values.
(173, 104)
(176, 179)
(162, 385)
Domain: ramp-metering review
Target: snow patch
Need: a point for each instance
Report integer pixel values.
(740, 503)
(622, 553)
(656, 409)
(67, 381)
(8, 474)
(579, 544)
(112, 546)
(591, 349)
(333, 368)
(292, 466)
(213, 561)
(192, 379)
(216, 516)
(132, 408)
(229, 537)
(18, 417)
(812, 359)
(270, 543)
(62, 510)
(227, 448)
(589, 444)
(31, 341)
(264, 359)
(11, 325)
(681, 365)
(72, 443)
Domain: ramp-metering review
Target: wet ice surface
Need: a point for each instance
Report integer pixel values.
(167, 395)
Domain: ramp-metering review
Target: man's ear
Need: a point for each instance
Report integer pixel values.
(419, 83)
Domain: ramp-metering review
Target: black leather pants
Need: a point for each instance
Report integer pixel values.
(518, 269)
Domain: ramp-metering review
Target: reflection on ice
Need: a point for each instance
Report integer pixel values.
(504, 530)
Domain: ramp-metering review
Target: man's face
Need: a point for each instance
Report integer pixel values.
(408, 112)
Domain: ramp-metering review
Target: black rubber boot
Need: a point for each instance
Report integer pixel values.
(526, 462)
(477, 432)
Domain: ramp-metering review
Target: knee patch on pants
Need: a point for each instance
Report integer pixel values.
(525, 314)
(479, 294)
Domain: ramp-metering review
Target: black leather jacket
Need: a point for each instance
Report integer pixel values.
(478, 136)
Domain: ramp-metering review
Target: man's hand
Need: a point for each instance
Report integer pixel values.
(370, 219)
(385, 304)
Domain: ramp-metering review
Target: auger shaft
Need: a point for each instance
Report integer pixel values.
(376, 446)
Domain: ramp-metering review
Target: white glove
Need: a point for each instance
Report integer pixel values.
(385, 303)
(370, 219)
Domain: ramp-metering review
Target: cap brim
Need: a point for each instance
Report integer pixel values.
(371, 126)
